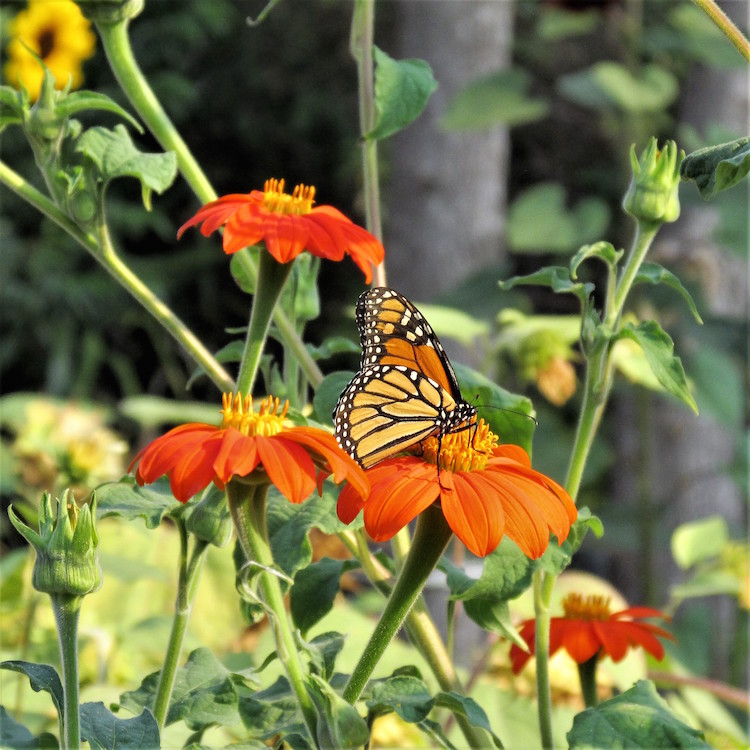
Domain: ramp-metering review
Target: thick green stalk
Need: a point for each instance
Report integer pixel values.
(247, 504)
(67, 609)
(587, 676)
(727, 26)
(186, 588)
(430, 539)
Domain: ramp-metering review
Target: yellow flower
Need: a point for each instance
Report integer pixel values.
(59, 34)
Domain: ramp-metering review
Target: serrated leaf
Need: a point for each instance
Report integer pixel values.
(406, 695)
(717, 168)
(639, 717)
(314, 589)
(105, 731)
(18, 737)
(659, 350)
(699, 540)
(605, 251)
(115, 155)
(653, 273)
(128, 501)
(41, 677)
(339, 725)
(402, 89)
(555, 277)
(497, 99)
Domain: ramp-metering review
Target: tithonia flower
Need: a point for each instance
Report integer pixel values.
(485, 491)
(292, 458)
(59, 34)
(588, 628)
(288, 224)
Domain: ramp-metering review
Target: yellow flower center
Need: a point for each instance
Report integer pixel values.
(300, 202)
(239, 413)
(465, 450)
(593, 607)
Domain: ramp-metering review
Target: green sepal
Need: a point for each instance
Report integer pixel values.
(717, 168)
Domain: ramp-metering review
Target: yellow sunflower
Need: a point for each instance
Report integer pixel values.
(59, 34)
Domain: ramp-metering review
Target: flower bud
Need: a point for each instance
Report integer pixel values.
(110, 11)
(66, 559)
(652, 194)
(209, 519)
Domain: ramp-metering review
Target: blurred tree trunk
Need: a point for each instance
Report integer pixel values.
(446, 194)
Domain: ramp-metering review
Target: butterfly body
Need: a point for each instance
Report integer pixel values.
(405, 390)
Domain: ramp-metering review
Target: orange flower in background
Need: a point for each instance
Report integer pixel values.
(485, 491)
(59, 34)
(293, 458)
(288, 224)
(588, 628)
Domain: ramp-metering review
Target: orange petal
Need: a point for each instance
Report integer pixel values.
(288, 466)
(514, 452)
(246, 227)
(215, 213)
(579, 639)
(238, 455)
(349, 504)
(285, 236)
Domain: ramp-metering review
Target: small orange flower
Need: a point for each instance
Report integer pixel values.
(292, 458)
(288, 224)
(485, 491)
(588, 628)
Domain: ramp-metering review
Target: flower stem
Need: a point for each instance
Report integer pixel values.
(272, 276)
(123, 63)
(727, 26)
(644, 236)
(587, 675)
(430, 540)
(247, 504)
(67, 609)
(186, 588)
(543, 587)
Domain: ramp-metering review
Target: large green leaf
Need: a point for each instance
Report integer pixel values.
(638, 717)
(105, 731)
(402, 89)
(659, 350)
(717, 168)
(41, 677)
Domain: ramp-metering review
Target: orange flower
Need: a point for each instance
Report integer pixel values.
(588, 628)
(292, 458)
(485, 491)
(288, 224)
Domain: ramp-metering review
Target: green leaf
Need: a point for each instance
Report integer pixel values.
(608, 84)
(315, 587)
(271, 712)
(638, 717)
(454, 323)
(717, 168)
(16, 736)
(605, 251)
(327, 394)
(333, 345)
(699, 540)
(128, 501)
(555, 277)
(11, 107)
(323, 651)
(659, 350)
(114, 155)
(80, 101)
(402, 89)
(339, 725)
(105, 731)
(509, 415)
(557, 557)
(408, 696)
(41, 677)
(719, 382)
(562, 229)
(462, 705)
(491, 101)
(653, 273)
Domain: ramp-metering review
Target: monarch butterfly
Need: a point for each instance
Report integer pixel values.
(405, 389)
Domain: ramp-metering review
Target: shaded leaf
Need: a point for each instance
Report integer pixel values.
(717, 168)
(406, 695)
(555, 277)
(333, 345)
(653, 273)
(638, 717)
(339, 725)
(41, 677)
(273, 711)
(16, 736)
(323, 651)
(402, 89)
(105, 731)
(327, 394)
(462, 705)
(128, 501)
(719, 383)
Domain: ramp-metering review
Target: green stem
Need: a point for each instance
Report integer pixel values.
(430, 539)
(644, 236)
(67, 609)
(272, 276)
(123, 63)
(543, 587)
(247, 504)
(587, 676)
(727, 26)
(186, 588)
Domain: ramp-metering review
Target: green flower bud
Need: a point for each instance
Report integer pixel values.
(110, 11)
(209, 519)
(66, 559)
(652, 194)
(45, 123)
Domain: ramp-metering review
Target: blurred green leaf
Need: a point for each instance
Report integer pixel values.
(402, 89)
(638, 717)
(538, 220)
(129, 501)
(327, 395)
(333, 345)
(717, 168)
(105, 731)
(719, 385)
(556, 23)
(653, 273)
(555, 277)
(406, 695)
(154, 411)
(16, 736)
(452, 323)
(699, 540)
(497, 99)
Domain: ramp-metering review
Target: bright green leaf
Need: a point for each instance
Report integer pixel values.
(659, 350)
(105, 731)
(497, 99)
(557, 557)
(560, 23)
(638, 717)
(402, 89)
(129, 501)
(406, 695)
(653, 273)
(717, 168)
(699, 540)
